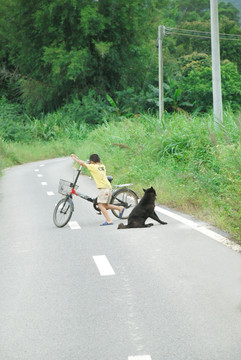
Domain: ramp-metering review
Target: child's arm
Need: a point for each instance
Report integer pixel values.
(75, 158)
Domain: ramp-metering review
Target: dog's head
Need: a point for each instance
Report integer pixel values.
(150, 191)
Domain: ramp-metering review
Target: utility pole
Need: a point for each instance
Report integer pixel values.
(216, 72)
(161, 34)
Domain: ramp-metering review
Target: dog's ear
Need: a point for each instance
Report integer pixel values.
(144, 190)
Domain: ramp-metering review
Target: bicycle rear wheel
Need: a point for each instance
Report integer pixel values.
(124, 197)
(63, 212)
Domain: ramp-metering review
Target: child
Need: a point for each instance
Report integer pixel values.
(98, 172)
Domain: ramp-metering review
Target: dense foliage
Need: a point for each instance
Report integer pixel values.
(54, 53)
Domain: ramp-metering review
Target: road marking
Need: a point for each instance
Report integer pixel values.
(139, 357)
(42, 165)
(50, 193)
(36, 170)
(202, 229)
(74, 225)
(103, 265)
(40, 175)
(44, 183)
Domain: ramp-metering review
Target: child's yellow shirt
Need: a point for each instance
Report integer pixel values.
(99, 174)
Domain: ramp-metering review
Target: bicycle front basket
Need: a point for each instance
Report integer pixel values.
(65, 187)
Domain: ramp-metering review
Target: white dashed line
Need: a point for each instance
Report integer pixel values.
(40, 175)
(103, 265)
(74, 225)
(36, 170)
(50, 193)
(44, 183)
(42, 165)
(202, 229)
(139, 357)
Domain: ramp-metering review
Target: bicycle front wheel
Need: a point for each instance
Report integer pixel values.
(124, 197)
(63, 212)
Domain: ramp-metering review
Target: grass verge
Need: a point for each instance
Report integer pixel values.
(20, 153)
(194, 166)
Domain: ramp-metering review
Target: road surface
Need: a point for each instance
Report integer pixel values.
(85, 292)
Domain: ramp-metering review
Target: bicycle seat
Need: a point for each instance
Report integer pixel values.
(110, 178)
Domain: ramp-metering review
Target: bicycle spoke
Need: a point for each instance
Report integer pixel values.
(62, 212)
(127, 198)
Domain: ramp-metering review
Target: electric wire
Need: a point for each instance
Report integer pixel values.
(191, 33)
(200, 34)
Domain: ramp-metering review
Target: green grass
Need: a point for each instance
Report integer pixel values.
(193, 165)
(20, 153)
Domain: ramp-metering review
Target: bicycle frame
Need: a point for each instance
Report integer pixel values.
(86, 197)
(74, 192)
(122, 195)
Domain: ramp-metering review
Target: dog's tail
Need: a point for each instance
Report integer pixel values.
(163, 222)
(122, 226)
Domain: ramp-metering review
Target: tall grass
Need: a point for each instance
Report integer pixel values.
(16, 126)
(20, 153)
(194, 166)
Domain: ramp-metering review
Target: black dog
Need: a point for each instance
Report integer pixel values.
(142, 211)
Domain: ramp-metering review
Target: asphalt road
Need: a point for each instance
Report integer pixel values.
(85, 292)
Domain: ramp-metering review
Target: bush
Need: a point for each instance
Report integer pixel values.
(12, 120)
(91, 109)
(196, 83)
(18, 127)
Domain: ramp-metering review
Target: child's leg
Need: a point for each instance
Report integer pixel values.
(105, 207)
(114, 207)
(103, 204)
(104, 211)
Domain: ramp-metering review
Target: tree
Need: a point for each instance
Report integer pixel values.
(177, 46)
(196, 81)
(187, 10)
(229, 11)
(58, 49)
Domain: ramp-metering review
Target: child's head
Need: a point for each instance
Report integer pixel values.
(95, 158)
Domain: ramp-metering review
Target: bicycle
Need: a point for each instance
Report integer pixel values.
(122, 196)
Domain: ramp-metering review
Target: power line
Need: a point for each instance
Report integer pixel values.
(200, 34)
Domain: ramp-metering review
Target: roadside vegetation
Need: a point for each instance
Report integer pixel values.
(194, 166)
(82, 76)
